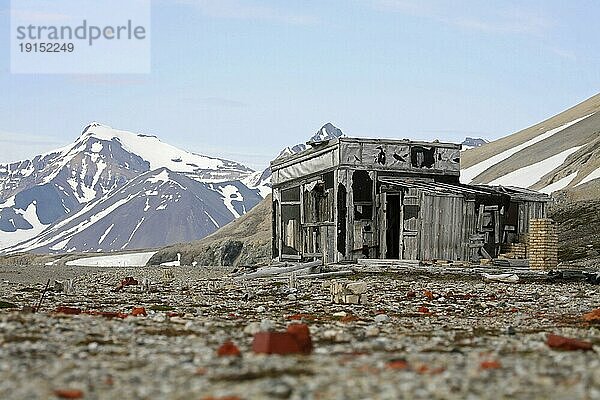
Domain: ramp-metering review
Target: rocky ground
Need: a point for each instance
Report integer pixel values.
(422, 335)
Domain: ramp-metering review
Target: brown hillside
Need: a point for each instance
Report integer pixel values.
(478, 154)
(245, 241)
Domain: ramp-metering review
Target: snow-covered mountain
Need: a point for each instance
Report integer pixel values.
(471, 143)
(253, 230)
(262, 180)
(39, 196)
(325, 133)
(562, 152)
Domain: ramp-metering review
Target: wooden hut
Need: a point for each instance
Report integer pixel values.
(352, 198)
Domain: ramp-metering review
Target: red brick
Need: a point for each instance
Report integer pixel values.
(490, 364)
(68, 393)
(228, 349)
(138, 311)
(107, 314)
(397, 364)
(593, 316)
(297, 317)
(68, 310)
(302, 335)
(276, 343)
(565, 343)
(129, 281)
(175, 314)
(349, 318)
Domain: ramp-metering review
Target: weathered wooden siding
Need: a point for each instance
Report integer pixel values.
(527, 211)
(447, 223)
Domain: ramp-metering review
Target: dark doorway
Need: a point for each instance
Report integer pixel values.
(393, 220)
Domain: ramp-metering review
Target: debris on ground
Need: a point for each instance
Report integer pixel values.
(506, 278)
(427, 331)
(128, 281)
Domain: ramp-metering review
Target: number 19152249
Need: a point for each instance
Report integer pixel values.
(46, 47)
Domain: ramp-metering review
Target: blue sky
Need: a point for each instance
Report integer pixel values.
(241, 79)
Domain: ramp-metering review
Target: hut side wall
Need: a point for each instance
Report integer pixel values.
(447, 223)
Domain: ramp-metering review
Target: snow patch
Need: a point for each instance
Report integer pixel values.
(531, 174)
(105, 234)
(60, 245)
(559, 184)
(133, 232)
(212, 219)
(117, 260)
(96, 147)
(163, 176)
(594, 175)
(8, 239)
(231, 193)
(468, 174)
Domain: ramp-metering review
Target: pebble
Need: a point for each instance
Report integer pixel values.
(267, 325)
(381, 318)
(155, 357)
(371, 331)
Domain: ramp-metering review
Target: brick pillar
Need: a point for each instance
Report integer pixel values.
(542, 247)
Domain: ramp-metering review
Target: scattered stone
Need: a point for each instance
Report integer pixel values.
(341, 294)
(506, 278)
(417, 356)
(159, 317)
(252, 328)
(371, 331)
(267, 325)
(381, 318)
(357, 287)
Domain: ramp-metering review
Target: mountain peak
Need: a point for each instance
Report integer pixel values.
(93, 124)
(326, 132)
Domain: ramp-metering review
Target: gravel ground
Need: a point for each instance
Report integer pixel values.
(422, 335)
